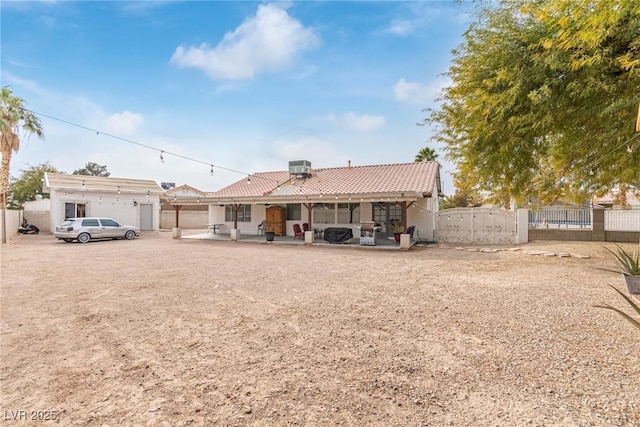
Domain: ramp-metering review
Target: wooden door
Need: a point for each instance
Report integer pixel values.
(276, 221)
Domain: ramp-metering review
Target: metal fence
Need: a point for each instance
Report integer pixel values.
(622, 220)
(560, 217)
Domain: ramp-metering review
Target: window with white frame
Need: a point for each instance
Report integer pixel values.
(294, 211)
(244, 213)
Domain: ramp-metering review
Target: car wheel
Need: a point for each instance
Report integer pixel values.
(84, 238)
(130, 235)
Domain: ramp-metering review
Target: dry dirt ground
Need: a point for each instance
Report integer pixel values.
(158, 331)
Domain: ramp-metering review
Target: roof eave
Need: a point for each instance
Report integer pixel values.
(393, 196)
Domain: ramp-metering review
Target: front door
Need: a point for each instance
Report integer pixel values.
(146, 217)
(384, 214)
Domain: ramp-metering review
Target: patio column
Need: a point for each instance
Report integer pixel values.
(177, 208)
(309, 207)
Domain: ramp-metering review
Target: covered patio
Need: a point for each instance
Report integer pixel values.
(381, 243)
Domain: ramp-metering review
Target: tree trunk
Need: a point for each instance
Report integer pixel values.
(4, 176)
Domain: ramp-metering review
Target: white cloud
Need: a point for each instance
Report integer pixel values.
(419, 93)
(419, 15)
(401, 27)
(353, 121)
(267, 41)
(309, 148)
(123, 123)
(364, 123)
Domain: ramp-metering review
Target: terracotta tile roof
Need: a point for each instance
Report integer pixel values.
(422, 178)
(99, 183)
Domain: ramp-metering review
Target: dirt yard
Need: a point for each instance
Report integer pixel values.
(158, 331)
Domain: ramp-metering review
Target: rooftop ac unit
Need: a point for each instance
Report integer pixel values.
(300, 167)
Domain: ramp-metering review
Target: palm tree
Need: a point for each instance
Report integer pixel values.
(427, 154)
(13, 116)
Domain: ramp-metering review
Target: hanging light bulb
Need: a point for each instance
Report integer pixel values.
(161, 157)
(211, 170)
(118, 189)
(83, 184)
(147, 194)
(249, 179)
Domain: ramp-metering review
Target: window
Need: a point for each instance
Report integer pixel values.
(109, 223)
(324, 213)
(294, 211)
(348, 213)
(74, 210)
(244, 213)
(90, 223)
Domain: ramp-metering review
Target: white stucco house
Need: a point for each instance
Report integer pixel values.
(128, 201)
(328, 197)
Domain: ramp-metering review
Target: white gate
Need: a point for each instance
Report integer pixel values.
(475, 225)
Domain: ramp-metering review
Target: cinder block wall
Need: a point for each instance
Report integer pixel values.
(189, 220)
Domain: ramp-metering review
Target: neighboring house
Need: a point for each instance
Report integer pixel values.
(612, 200)
(174, 214)
(129, 201)
(343, 196)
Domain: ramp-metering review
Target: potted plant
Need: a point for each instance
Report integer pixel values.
(397, 228)
(269, 235)
(628, 264)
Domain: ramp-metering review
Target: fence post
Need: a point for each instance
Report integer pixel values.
(597, 224)
(522, 226)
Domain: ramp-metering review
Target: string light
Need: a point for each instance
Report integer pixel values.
(211, 170)
(129, 141)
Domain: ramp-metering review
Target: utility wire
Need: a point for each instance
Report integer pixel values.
(162, 152)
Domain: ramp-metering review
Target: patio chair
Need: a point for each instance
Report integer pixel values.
(410, 230)
(261, 226)
(297, 231)
(305, 227)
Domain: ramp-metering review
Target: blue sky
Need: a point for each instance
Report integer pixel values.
(243, 85)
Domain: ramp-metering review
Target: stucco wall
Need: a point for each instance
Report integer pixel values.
(12, 221)
(38, 213)
(40, 219)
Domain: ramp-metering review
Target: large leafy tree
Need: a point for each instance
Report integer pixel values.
(14, 119)
(29, 183)
(93, 169)
(426, 154)
(543, 100)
